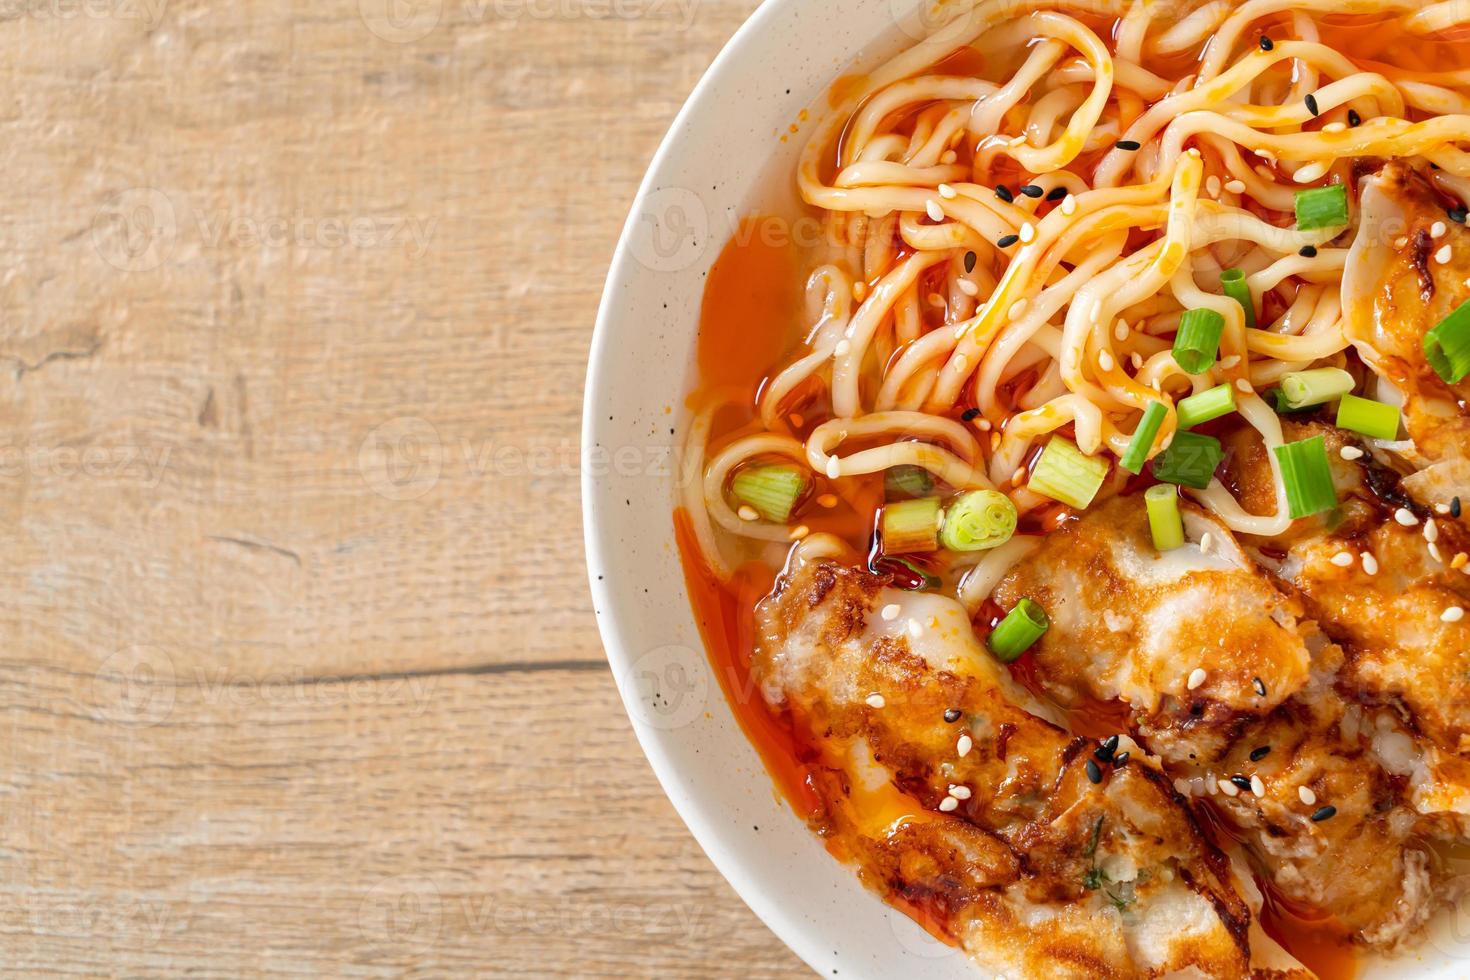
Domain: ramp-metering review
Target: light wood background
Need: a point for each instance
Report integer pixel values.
(299, 673)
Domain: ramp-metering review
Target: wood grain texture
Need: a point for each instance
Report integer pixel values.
(299, 669)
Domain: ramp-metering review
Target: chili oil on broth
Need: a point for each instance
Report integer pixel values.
(755, 318)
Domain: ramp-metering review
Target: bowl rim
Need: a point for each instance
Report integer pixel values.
(702, 823)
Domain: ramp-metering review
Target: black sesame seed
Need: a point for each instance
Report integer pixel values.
(1455, 507)
(1004, 193)
(1128, 145)
(1093, 772)
(952, 715)
(1241, 782)
(1312, 105)
(1031, 190)
(1308, 251)
(1056, 194)
(1266, 44)
(1326, 813)
(1353, 118)
(1120, 760)
(1259, 685)
(970, 258)
(971, 414)
(1007, 241)
(1111, 744)
(1457, 215)
(1258, 754)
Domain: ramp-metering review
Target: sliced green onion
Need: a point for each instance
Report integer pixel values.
(911, 526)
(1308, 477)
(1164, 521)
(1232, 281)
(772, 490)
(1143, 438)
(1014, 635)
(906, 481)
(978, 520)
(1301, 389)
(1447, 346)
(1368, 417)
(1066, 473)
(1321, 207)
(1278, 401)
(1210, 404)
(1197, 341)
(1190, 460)
(926, 579)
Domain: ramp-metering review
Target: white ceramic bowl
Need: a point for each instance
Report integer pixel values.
(722, 159)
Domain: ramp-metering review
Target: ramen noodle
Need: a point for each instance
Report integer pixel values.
(1077, 526)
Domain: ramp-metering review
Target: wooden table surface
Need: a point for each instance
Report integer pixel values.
(299, 671)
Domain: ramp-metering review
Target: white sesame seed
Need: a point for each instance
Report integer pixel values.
(1243, 385)
(948, 157)
(841, 348)
(1028, 233)
(1309, 173)
(1334, 127)
(1370, 564)
(1452, 615)
(969, 288)
(960, 792)
(1431, 531)
(1206, 541)
(1441, 509)
(936, 300)
(1350, 452)
(1120, 330)
(1434, 553)
(947, 192)
(1226, 363)
(1105, 361)
(949, 804)
(1405, 516)
(1196, 678)
(1017, 308)
(1342, 559)
(828, 500)
(1228, 788)
(1069, 205)
(1019, 476)
(747, 512)
(964, 745)
(799, 532)
(961, 362)
(1212, 185)
(1235, 186)
(1443, 255)
(983, 425)
(1400, 242)
(1212, 784)
(859, 290)
(876, 701)
(936, 213)
(1305, 794)
(916, 629)
(1136, 359)
(890, 612)
(1437, 229)
(834, 468)
(1181, 786)
(1258, 787)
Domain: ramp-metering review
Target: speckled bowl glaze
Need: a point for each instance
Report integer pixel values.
(723, 158)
